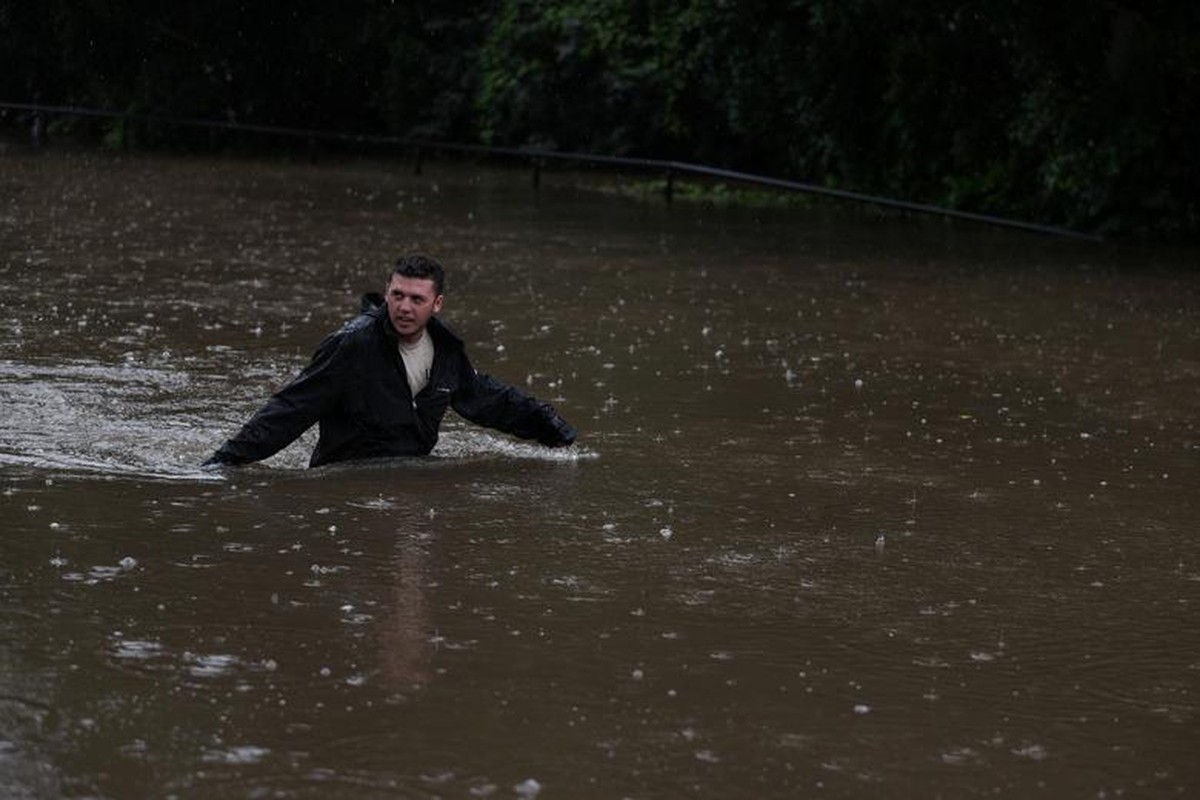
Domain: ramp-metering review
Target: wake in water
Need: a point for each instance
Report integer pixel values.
(476, 443)
(155, 422)
(92, 417)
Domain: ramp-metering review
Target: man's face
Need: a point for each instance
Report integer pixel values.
(411, 302)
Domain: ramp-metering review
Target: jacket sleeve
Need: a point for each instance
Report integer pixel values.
(290, 411)
(487, 401)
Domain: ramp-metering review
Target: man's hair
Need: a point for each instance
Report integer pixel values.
(415, 265)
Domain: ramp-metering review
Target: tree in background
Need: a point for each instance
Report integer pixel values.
(1107, 113)
(430, 78)
(573, 75)
(1080, 113)
(303, 63)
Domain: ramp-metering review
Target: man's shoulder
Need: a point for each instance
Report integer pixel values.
(354, 333)
(370, 310)
(359, 325)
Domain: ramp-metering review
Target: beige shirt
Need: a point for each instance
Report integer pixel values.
(418, 361)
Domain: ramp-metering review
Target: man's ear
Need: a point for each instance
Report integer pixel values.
(437, 304)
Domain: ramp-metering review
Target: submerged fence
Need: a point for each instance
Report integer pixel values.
(38, 115)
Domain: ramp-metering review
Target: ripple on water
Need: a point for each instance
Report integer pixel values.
(140, 655)
(241, 754)
(475, 443)
(97, 574)
(210, 665)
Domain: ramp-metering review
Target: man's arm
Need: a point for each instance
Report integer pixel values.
(486, 401)
(290, 411)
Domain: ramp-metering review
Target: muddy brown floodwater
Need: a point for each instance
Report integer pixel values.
(862, 507)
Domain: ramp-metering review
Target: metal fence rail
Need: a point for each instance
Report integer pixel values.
(39, 113)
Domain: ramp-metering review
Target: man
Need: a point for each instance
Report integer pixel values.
(379, 386)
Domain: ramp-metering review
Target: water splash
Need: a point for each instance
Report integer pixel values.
(161, 423)
(92, 417)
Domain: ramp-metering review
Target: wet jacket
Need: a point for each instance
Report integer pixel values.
(356, 389)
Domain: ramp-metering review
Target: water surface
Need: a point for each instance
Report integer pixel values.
(861, 507)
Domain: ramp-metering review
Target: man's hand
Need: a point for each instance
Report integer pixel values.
(559, 433)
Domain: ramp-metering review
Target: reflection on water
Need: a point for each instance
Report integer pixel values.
(861, 507)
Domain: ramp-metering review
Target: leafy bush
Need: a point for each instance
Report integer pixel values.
(1077, 113)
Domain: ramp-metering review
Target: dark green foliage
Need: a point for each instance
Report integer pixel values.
(299, 63)
(1080, 113)
(572, 75)
(430, 78)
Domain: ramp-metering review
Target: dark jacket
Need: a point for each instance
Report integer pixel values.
(357, 389)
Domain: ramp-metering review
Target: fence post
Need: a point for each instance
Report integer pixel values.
(418, 162)
(537, 173)
(37, 130)
(669, 190)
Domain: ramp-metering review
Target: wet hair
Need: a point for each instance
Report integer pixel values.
(415, 265)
